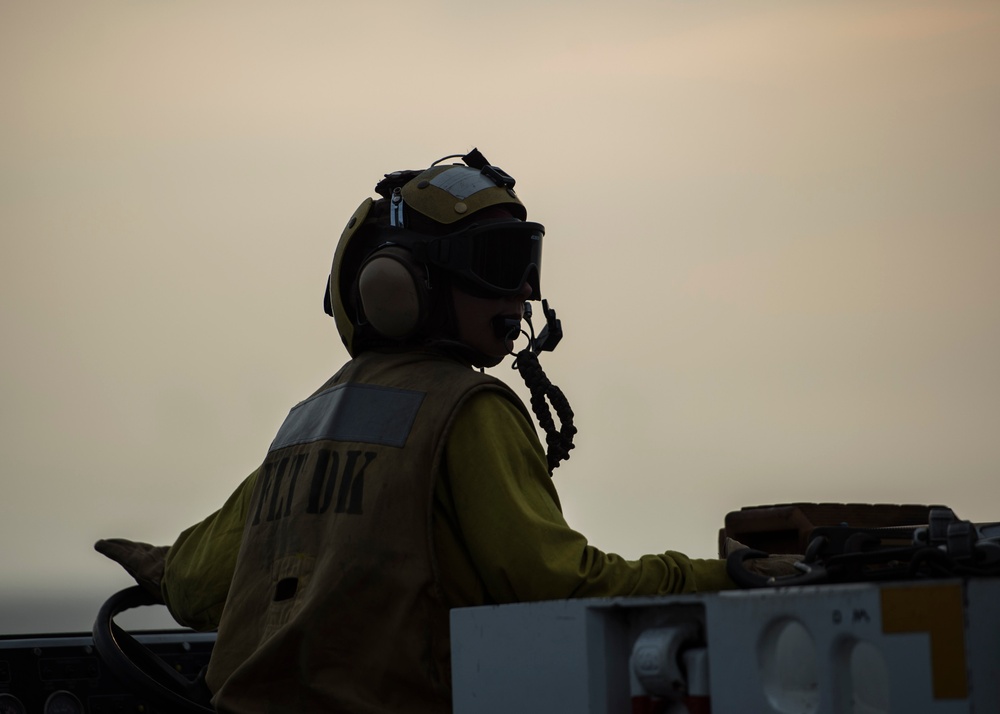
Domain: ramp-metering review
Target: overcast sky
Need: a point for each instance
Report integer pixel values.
(773, 239)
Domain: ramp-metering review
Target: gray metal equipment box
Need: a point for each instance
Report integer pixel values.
(929, 647)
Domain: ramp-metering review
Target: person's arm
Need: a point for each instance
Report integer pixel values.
(509, 517)
(201, 562)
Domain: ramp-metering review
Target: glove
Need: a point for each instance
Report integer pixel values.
(773, 566)
(142, 561)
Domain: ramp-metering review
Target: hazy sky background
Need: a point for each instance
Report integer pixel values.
(773, 238)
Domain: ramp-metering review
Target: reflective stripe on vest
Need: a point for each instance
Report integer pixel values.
(352, 412)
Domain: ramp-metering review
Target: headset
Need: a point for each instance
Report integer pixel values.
(393, 292)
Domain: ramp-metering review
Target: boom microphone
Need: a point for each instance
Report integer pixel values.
(506, 328)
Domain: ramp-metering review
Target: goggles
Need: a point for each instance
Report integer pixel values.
(491, 259)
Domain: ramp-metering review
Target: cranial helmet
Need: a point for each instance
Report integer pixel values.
(455, 224)
(459, 224)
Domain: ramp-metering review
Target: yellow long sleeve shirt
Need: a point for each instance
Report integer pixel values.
(499, 533)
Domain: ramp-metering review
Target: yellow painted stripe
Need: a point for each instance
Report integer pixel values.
(937, 610)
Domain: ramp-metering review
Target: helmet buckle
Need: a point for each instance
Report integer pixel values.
(396, 208)
(498, 176)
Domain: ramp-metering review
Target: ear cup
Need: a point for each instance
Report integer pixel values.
(393, 293)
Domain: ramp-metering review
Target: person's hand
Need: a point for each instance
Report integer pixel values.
(142, 561)
(773, 566)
